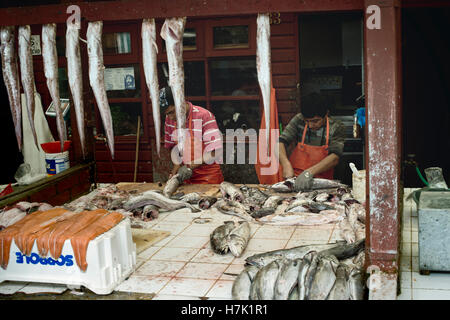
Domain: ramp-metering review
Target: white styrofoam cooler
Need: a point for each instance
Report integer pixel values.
(111, 258)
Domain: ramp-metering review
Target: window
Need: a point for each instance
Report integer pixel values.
(333, 65)
(125, 117)
(230, 37)
(123, 81)
(116, 43)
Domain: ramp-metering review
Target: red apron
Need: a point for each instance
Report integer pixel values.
(206, 173)
(305, 156)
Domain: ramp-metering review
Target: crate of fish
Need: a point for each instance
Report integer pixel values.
(93, 249)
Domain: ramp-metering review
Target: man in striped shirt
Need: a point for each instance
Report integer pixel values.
(202, 143)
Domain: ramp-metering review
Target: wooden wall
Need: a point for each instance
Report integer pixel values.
(285, 69)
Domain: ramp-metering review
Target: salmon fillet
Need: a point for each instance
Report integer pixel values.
(80, 240)
(53, 241)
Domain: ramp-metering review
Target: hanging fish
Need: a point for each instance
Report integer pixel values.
(263, 65)
(172, 32)
(97, 80)
(50, 57)
(75, 77)
(149, 52)
(11, 79)
(27, 74)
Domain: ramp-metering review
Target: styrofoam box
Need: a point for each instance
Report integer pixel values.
(111, 258)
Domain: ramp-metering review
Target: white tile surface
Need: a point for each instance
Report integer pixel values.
(232, 271)
(312, 234)
(301, 242)
(274, 232)
(174, 297)
(174, 227)
(424, 294)
(143, 284)
(199, 230)
(221, 289)
(405, 279)
(202, 270)
(175, 254)
(432, 281)
(147, 253)
(188, 242)
(208, 256)
(406, 294)
(266, 244)
(188, 287)
(160, 268)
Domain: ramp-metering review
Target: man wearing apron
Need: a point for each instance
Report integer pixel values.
(204, 135)
(319, 143)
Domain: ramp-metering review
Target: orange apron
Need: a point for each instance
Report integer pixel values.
(206, 173)
(305, 156)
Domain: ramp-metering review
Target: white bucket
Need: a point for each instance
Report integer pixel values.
(359, 186)
(57, 162)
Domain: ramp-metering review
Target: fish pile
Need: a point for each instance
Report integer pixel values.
(311, 272)
(328, 202)
(231, 237)
(12, 214)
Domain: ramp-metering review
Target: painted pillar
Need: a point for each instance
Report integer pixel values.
(384, 193)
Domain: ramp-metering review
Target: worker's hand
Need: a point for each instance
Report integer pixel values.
(184, 173)
(288, 171)
(304, 181)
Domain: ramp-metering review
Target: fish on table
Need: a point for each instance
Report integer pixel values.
(149, 59)
(97, 79)
(75, 78)
(11, 78)
(50, 58)
(231, 192)
(230, 237)
(318, 183)
(157, 199)
(172, 32)
(27, 74)
(242, 284)
(263, 65)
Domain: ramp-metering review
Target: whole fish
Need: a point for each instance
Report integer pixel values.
(50, 58)
(265, 280)
(316, 207)
(344, 251)
(172, 32)
(149, 54)
(357, 210)
(238, 238)
(306, 195)
(171, 185)
(227, 207)
(231, 192)
(346, 231)
(310, 274)
(297, 209)
(157, 199)
(242, 284)
(192, 198)
(75, 78)
(356, 284)
(149, 212)
(253, 197)
(262, 212)
(97, 79)
(11, 78)
(324, 278)
(27, 74)
(273, 202)
(302, 218)
(287, 279)
(302, 272)
(206, 202)
(263, 259)
(263, 65)
(318, 184)
(294, 294)
(218, 237)
(340, 290)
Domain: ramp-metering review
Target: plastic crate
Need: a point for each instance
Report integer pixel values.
(111, 258)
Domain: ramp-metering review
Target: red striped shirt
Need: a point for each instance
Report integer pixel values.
(204, 128)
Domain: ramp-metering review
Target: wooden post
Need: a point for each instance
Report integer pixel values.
(384, 197)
